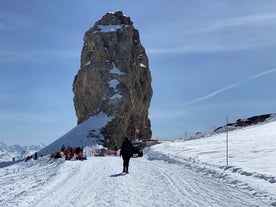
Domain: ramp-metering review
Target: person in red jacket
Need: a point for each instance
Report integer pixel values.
(79, 156)
(65, 152)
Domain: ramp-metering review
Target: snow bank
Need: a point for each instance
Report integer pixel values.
(252, 153)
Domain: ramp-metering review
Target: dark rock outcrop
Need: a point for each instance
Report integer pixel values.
(245, 122)
(114, 78)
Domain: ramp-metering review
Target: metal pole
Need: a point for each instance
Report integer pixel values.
(227, 141)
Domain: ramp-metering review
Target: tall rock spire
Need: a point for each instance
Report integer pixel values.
(114, 78)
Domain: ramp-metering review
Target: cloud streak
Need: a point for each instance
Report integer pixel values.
(247, 27)
(253, 20)
(229, 87)
(11, 20)
(36, 55)
(202, 49)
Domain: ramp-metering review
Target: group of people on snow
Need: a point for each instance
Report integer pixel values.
(126, 151)
(34, 156)
(70, 153)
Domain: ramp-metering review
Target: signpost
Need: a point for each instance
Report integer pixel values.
(227, 141)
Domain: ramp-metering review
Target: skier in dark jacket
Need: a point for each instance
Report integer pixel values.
(126, 152)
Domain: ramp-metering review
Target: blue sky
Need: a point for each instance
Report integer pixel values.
(208, 60)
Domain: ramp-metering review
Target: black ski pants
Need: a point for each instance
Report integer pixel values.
(126, 159)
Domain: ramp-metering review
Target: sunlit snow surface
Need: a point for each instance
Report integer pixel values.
(252, 156)
(179, 173)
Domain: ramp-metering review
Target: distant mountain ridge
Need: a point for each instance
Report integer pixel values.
(240, 123)
(8, 152)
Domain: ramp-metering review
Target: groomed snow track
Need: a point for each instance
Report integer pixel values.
(98, 182)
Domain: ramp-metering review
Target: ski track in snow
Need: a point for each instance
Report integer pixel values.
(98, 182)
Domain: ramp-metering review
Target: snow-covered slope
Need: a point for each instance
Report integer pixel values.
(85, 134)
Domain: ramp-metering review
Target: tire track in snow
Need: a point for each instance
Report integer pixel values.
(86, 183)
(165, 189)
(205, 190)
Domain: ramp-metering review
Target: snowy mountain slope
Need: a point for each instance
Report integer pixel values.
(97, 182)
(6, 156)
(85, 134)
(7, 153)
(252, 153)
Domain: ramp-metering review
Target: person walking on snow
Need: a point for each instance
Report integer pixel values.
(126, 152)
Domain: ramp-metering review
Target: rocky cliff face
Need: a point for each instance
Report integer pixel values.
(114, 78)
